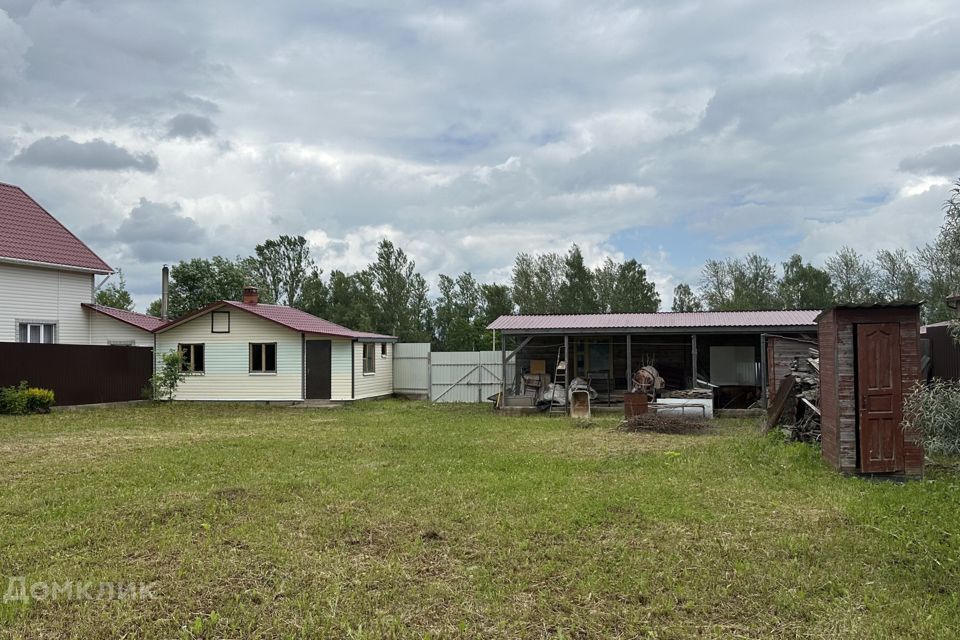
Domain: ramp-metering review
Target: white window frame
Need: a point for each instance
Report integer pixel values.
(370, 362)
(41, 327)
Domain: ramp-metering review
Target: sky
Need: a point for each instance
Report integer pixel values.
(668, 131)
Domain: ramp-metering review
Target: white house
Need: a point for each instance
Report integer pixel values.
(47, 282)
(251, 351)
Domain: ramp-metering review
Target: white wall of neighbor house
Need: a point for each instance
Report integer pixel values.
(380, 381)
(107, 330)
(227, 359)
(39, 294)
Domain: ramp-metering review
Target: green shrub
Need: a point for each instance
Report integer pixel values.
(164, 384)
(934, 411)
(24, 399)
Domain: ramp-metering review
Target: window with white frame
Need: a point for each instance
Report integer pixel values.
(383, 349)
(37, 332)
(369, 357)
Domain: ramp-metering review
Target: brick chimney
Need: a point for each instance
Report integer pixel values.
(251, 295)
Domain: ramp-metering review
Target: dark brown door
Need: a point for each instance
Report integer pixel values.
(318, 369)
(879, 394)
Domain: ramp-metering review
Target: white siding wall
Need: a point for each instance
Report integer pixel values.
(379, 383)
(340, 370)
(36, 293)
(227, 360)
(104, 329)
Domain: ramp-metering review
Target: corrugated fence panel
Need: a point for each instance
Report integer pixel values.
(944, 352)
(411, 368)
(465, 376)
(78, 373)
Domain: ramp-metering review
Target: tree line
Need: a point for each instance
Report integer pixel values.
(930, 273)
(390, 296)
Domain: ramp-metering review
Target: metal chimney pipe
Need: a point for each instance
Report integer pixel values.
(164, 292)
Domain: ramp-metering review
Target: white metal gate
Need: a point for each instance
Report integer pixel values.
(465, 376)
(447, 376)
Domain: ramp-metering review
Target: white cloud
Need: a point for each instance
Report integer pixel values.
(669, 132)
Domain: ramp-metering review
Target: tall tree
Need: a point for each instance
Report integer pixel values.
(940, 262)
(716, 286)
(897, 277)
(314, 294)
(804, 286)
(754, 281)
(403, 308)
(853, 277)
(577, 293)
(196, 282)
(622, 287)
(684, 299)
(456, 312)
(536, 282)
(495, 302)
(351, 300)
(115, 294)
(283, 265)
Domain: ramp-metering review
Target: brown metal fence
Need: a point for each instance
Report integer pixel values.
(78, 373)
(944, 353)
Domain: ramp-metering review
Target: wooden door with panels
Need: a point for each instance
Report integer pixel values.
(879, 388)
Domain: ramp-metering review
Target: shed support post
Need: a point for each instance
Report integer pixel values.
(763, 370)
(629, 362)
(693, 355)
(503, 373)
(566, 359)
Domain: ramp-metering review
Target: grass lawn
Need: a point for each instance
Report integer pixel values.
(405, 519)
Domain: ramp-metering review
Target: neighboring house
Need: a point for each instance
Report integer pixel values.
(119, 327)
(47, 283)
(46, 272)
(252, 351)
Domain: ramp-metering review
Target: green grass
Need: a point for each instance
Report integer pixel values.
(404, 519)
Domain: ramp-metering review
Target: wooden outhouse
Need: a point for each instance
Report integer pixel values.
(869, 360)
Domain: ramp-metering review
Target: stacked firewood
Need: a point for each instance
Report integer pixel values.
(796, 406)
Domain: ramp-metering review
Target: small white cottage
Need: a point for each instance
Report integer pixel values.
(251, 351)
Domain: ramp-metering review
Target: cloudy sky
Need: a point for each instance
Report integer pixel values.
(669, 131)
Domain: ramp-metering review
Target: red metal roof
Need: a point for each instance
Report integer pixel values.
(664, 320)
(288, 317)
(31, 234)
(138, 320)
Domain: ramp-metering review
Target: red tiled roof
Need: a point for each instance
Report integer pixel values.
(30, 233)
(288, 317)
(138, 320)
(695, 320)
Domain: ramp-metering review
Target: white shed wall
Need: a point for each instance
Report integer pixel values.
(227, 360)
(378, 383)
(48, 295)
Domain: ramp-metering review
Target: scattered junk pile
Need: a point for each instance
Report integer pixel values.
(795, 407)
(663, 423)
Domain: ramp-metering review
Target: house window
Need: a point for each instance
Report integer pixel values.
(220, 322)
(38, 332)
(192, 358)
(383, 349)
(369, 357)
(263, 357)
